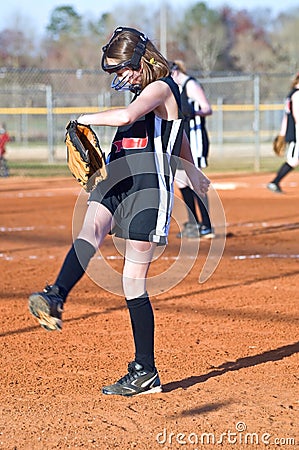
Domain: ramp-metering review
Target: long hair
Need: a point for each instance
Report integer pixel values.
(295, 81)
(122, 47)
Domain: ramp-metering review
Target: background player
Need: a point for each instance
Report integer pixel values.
(195, 107)
(289, 129)
(4, 138)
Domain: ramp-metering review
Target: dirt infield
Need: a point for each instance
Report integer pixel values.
(227, 349)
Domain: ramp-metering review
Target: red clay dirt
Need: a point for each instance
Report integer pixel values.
(226, 350)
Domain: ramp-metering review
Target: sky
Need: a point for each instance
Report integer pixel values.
(38, 12)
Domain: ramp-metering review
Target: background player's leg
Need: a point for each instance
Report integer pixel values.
(290, 164)
(203, 206)
(274, 185)
(188, 197)
(206, 229)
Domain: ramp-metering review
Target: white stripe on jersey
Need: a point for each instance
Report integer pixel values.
(165, 203)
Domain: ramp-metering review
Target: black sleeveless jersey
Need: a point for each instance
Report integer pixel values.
(187, 105)
(141, 167)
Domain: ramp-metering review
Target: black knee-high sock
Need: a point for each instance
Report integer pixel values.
(204, 210)
(142, 320)
(282, 172)
(188, 197)
(74, 265)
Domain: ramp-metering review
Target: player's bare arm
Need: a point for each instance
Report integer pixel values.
(153, 97)
(196, 93)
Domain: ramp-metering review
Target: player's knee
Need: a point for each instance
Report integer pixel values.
(133, 287)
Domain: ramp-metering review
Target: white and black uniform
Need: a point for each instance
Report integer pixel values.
(195, 127)
(290, 137)
(141, 168)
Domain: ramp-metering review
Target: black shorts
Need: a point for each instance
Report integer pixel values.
(137, 213)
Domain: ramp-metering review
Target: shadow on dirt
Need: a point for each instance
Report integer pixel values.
(210, 407)
(230, 366)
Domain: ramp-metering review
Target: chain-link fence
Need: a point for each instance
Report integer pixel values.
(36, 105)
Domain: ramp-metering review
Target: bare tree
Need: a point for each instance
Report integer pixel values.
(251, 49)
(252, 54)
(285, 39)
(203, 37)
(18, 43)
(207, 46)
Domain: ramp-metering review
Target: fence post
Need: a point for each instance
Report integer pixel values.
(50, 123)
(256, 123)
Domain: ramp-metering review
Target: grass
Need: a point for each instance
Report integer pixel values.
(38, 169)
(238, 165)
(225, 165)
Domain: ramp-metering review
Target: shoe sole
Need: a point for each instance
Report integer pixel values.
(208, 236)
(154, 390)
(39, 308)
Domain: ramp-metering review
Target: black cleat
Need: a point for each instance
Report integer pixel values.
(47, 307)
(137, 381)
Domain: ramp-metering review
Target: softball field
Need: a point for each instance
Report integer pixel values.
(226, 349)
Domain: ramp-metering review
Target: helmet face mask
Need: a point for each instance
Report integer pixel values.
(121, 83)
(126, 82)
(134, 63)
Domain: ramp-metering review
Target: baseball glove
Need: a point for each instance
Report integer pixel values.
(279, 145)
(85, 158)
